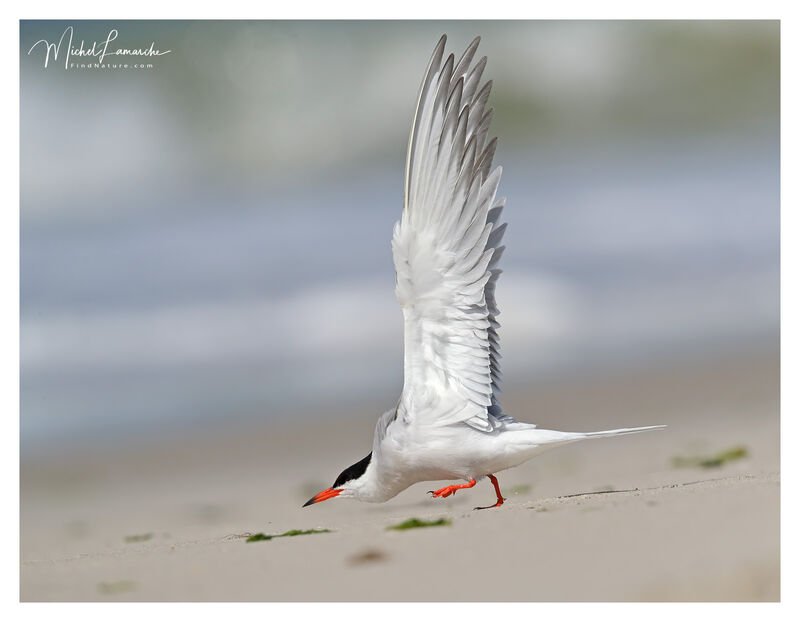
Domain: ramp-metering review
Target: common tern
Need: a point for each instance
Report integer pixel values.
(448, 422)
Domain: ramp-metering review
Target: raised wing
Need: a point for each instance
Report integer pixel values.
(446, 248)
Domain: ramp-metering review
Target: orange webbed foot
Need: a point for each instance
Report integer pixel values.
(500, 498)
(444, 492)
(496, 505)
(451, 490)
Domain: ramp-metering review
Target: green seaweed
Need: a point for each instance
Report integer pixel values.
(258, 537)
(415, 523)
(144, 537)
(710, 462)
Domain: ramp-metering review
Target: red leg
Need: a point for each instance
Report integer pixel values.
(499, 496)
(451, 490)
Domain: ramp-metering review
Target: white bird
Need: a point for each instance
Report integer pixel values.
(448, 422)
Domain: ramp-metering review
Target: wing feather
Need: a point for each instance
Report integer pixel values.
(446, 247)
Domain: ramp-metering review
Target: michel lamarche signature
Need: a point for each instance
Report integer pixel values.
(98, 49)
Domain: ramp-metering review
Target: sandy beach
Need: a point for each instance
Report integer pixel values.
(605, 520)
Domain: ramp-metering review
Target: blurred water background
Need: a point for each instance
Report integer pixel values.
(206, 242)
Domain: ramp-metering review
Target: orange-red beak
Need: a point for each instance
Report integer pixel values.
(330, 493)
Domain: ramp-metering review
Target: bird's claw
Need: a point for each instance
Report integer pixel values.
(444, 492)
(489, 507)
(452, 489)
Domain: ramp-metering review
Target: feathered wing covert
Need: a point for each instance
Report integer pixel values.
(446, 250)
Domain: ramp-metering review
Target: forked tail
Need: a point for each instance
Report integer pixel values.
(553, 438)
(621, 431)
